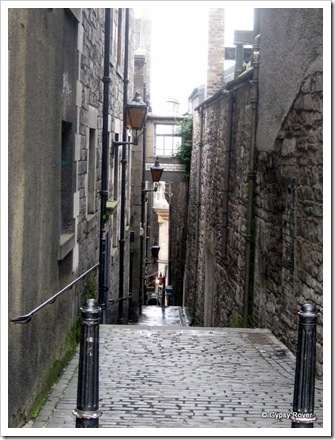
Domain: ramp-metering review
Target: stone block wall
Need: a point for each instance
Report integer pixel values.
(220, 210)
(193, 215)
(60, 55)
(231, 256)
(177, 231)
(289, 249)
(288, 215)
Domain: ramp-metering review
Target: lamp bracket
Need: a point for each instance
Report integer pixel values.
(155, 188)
(150, 190)
(118, 143)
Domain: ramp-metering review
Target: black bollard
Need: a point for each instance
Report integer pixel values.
(87, 412)
(304, 385)
(163, 293)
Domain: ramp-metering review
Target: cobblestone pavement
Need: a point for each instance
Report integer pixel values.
(184, 377)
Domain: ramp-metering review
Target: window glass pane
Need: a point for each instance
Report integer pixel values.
(160, 142)
(177, 143)
(168, 146)
(164, 129)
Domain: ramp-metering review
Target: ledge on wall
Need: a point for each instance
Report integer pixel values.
(92, 220)
(111, 206)
(66, 245)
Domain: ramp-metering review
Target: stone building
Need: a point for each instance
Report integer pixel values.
(254, 242)
(58, 122)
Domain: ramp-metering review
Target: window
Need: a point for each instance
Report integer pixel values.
(67, 165)
(91, 172)
(167, 140)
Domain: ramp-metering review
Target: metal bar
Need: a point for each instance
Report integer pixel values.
(23, 319)
(163, 293)
(304, 384)
(104, 160)
(87, 411)
(123, 172)
(124, 298)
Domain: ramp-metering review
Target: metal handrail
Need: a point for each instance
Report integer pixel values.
(123, 298)
(24, 319)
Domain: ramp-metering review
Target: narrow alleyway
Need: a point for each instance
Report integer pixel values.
(161, 374)
(155, 315)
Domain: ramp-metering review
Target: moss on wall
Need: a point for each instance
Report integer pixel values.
(236, 320)
(68, 350)
(53, 375)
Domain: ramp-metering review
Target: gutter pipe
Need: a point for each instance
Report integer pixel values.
(102, 299)
(250, 228)
(142, 238)
(124, 171)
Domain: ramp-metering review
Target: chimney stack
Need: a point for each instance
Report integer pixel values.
(216, 50)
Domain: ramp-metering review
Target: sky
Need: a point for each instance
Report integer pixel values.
(179, 47)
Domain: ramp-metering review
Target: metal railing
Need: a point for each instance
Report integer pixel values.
(24, 319)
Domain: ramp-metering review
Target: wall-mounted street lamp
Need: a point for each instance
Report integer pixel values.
(156, 171)
(156, 174)
(135, 118)
(155, 248)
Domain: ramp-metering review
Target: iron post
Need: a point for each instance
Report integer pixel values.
(304, 384)
(87, 412)
(163, 293)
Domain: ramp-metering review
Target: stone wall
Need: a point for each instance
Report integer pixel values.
(193, 217)
(218, 205)
(286, 231)
(289, 250)
(56, 71)
(43, 63)
(232, 223)
(177, 233)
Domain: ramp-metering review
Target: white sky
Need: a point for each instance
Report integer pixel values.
(179, 47)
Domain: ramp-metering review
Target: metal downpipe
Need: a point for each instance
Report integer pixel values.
(142, 255)
(104, 163)
(250, 233)
(124, 172)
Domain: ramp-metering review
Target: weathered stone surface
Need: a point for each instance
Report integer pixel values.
(288, 216)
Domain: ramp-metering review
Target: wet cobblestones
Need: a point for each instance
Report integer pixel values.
(184, 377)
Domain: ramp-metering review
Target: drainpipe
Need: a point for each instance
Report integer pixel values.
(124, 172)
(104, 164)
(142, 256)
(250, 229)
